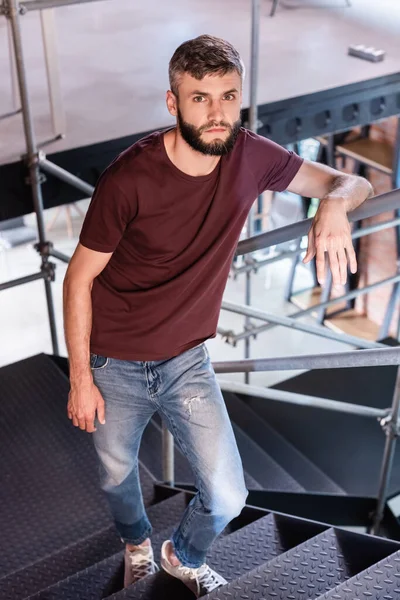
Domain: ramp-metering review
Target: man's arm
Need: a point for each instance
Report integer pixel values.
(330, 232)
(84, 397)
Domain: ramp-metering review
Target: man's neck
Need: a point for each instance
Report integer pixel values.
(186, 159)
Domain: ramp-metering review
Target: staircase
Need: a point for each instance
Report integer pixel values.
(58, 541)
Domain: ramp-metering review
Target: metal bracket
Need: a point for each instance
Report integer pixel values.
(389, 426)
(5, 9)
(44, 249)
(34, 160)
(251, 327)
(48, 269)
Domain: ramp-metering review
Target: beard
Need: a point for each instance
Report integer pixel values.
(192, 136)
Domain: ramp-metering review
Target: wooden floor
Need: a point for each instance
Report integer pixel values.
(113, 58)
(350, 322)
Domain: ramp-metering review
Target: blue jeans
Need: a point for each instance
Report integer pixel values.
(185, 391)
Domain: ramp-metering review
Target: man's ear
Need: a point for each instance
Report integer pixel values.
(172, 103)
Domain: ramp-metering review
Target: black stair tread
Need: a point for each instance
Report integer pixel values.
(150, 454)
(78, 556)
(299, 466)
(381, 581)
(254, 543)
(106, 576)
(262, 467)
(45, 461)
(322, 434)
(307, 571)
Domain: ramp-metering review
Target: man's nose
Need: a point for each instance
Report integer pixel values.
(215, 112)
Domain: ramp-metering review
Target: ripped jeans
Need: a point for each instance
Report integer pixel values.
(185, 392)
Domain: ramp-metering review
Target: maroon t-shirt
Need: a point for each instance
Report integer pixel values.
(173, 238)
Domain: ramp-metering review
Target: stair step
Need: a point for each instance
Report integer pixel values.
(73, 557)
(307, 571)
(313, 569)
(151, 451)
(332, 440)
(232, 556)
(300, 467)
(381, 581)
(102, 578)
(262, 467)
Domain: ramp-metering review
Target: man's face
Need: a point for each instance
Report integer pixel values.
(208, 111)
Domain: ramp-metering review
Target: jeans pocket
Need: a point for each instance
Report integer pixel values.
(98, 362)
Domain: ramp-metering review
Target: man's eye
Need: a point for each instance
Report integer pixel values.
(198, 98)
(229, 97)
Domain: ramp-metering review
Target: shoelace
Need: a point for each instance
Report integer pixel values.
(203, 576)
(139, 562)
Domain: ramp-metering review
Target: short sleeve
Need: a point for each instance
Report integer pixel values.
(272, 165)
(108, 215)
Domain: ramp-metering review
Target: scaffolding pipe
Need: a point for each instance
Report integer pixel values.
(21, 281)
(370, 208)
(338, 360)
(64, 175)
(292, 324)
(392, 433)
(60, 256)
(364, 231)
(34, 174)
(253, 115)
(30, 5)
(303, 399)
(310, 309)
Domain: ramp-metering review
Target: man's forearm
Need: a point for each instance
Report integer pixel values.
(77, 328)
(348, 190)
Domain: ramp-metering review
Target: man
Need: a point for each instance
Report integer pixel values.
(143, 292)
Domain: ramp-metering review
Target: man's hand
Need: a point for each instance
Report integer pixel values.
(331, 233)
(83, 402)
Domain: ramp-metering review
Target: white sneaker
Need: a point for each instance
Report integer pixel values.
(201, 580)
(138, 564)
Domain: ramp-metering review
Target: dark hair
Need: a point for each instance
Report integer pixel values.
(202, 56)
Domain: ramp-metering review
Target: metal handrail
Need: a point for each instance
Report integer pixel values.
(370, 208)
(303, 399)
(338, 360)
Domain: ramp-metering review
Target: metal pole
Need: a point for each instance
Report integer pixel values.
(34, 174)
(310, 309)
(21, 281)
(303, 400)
(370, 208)
(291, 253)
(292, 324)
(47, 19)
(255, 36)
(60, 256)
(167, 455)
(43, 4)
(64, 175)
(392, 433)
(337, 360)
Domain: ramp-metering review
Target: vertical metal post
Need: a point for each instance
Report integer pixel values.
(47, 20)
(253, 117)
(13, 71)
(167, 455)
(34, 174)
(392, 433)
